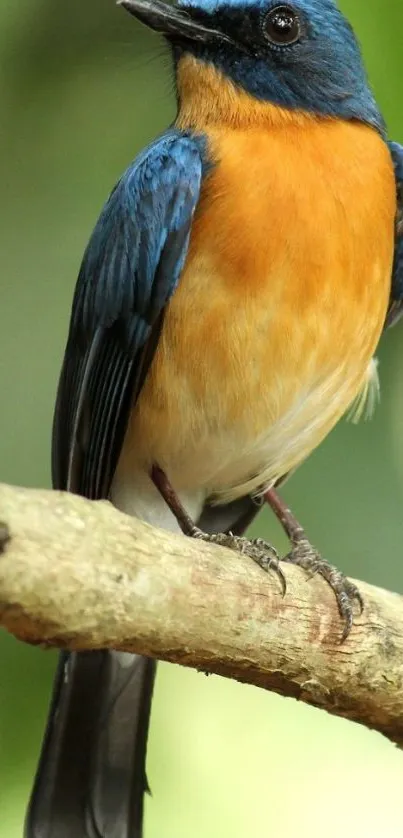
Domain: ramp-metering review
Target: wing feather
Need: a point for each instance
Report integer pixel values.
(130, 269)
(395, 310)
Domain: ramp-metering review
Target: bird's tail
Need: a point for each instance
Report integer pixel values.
(91, 777)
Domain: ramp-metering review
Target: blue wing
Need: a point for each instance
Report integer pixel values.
(130, 269)
(396, 300)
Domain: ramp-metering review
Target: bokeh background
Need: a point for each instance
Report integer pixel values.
(82, 88)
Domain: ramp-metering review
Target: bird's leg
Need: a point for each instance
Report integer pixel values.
(171, 499)
(257, 549)
(304, 555)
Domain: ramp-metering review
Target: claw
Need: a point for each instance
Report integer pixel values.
(268, 559)
(257, 549)
(347, 628)
(360, 600)
(346, 593)
(281, 575)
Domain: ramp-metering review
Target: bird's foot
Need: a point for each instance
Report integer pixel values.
(346, 593)
(263, 553)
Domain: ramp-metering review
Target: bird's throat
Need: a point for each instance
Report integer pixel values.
(207, 98)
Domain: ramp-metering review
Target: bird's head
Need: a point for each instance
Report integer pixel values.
(299, 55)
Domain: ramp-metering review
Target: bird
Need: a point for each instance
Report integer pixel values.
(226, 315)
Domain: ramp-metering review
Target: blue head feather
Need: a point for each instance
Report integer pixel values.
(322, 73)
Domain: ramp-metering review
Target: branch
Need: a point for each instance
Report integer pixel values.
(81, 575)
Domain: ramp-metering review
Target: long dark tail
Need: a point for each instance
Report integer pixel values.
(91, 776)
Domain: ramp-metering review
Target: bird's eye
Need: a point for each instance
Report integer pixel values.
(281, 26)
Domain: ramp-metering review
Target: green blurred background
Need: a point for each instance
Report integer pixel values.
(82, 89)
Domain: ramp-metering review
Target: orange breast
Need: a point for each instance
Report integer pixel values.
(270, 334)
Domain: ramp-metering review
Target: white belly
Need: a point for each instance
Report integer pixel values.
(290, 440)
(220, 466)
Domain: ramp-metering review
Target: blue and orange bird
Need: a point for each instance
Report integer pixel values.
(226, 315)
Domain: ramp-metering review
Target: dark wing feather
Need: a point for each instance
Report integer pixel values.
(395, 310)
(130, 269)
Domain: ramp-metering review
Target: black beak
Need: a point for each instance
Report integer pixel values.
(177, 24)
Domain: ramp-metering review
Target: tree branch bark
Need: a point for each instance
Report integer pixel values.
(81, 575)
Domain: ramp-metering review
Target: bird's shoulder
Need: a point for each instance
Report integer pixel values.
(152, 201)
